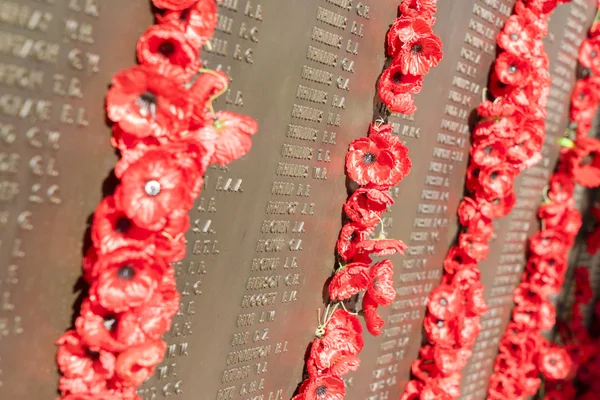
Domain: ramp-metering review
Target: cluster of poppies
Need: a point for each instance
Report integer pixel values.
(583, 351)
(167, 133)
(374, 163)
(507, 139)
(414, 50)
(524, 352)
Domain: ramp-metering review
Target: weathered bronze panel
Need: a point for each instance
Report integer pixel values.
(264, 229)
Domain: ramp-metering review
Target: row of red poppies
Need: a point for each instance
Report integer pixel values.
(167, 133)
(507, 139)
(375, 163)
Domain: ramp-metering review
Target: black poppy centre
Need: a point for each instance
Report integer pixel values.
(369, 158)
(417, 48)
(147, 104)
(321, 390)
(166, 48)
(126, 272)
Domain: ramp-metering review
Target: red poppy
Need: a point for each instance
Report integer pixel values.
(527, 295)
(381, 284)
(152, 188)
(584, 98)
(324, 387)
(589, 54)
(488, 151)
(397, 102)
(476, 247)
(495, 181)
(148, 101)
(379, 160)
(373, 320)
(421, 7)
(441, 332)
(445, 302)
(414, 46)
(413, 388)
(516, 36)
(555, 363)
(198, 20)
(501, 387)
(83, 371)
(561, 187)
(547, 242)
(593, 241)
(136, 364)
(324, 360)
(126, 278)
(583, 290)
(351, 235)
(393, 80)
(344, 331)
(348, 281)
(230, 134)
(512, 69)
(539, 316)
(497, 207)
(167, 44)
(381, 247)
(366, 205)
(457, 259)
(469, 329)
(475, 304)
(173, 4)
(465, 279)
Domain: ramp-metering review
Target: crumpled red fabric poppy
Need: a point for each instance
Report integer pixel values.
(365, 206)
(198, 20)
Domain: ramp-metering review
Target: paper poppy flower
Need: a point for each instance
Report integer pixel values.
(401, 103)
(378, 160)
(464, 279)
(393, 80)
(152, 188)
(173, 4)
(324, 387)
(547, 242)
(412, 390)
(230, 134)
(126, 278)
(512, 70)
(555, 363)
(325, 360)
(373, 320)
(561, 187)
(366, 205)
(83, 371)
(488, 151)
(589, 54)
(445, 302)
(476, 247)
(414, 46)
(516, 36)
(421, 7)
(148, 101)
(167, 44)
(497, 207)
(197, 21)
(457, 259)
(469, 329)
(100, 329)
(344, 331)
(136, 364)
(495, 181)
(348, 281)
(381, 283)
(475, 300)
(350, 236)
(381, 247)
(440, 332)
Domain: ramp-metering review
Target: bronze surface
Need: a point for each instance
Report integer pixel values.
(264, 230)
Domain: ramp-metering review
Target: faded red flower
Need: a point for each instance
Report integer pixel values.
(167, 44)
(230, 134)
(152, 188)
(126, 278)
(198, 20)
(379, 160)
(136, 364)
(366, 205)
(148, 101)
(349, 281)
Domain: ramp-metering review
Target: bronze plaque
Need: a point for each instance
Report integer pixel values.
(264, 229)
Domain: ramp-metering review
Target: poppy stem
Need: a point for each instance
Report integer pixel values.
(345, 309)
(218, 94)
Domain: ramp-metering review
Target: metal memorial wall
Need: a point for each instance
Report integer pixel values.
(264, 230)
